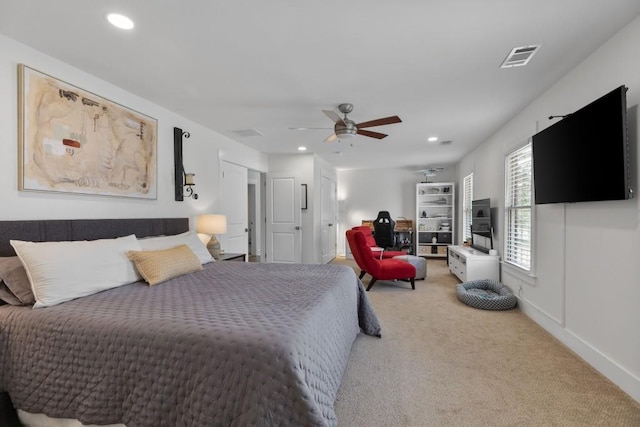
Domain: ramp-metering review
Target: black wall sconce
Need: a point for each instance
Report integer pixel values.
(182, 179)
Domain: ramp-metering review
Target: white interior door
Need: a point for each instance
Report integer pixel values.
(284, 235)
(234, 204)
(328, 218)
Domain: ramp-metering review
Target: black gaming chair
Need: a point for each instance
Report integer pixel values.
(383, 230)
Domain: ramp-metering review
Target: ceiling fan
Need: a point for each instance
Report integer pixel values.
(430, 172)
(346, 128)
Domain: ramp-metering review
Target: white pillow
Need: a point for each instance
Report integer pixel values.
(62, 271)
(189, 238)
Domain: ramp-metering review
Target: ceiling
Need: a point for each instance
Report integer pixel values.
(274, 65)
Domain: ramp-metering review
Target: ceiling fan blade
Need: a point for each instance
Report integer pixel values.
(379, 122)
(371, 134)
(331, 138)
(334, 116)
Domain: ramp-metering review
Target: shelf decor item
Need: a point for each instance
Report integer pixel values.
(74, 141)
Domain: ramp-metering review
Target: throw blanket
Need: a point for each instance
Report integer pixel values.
(234, 344)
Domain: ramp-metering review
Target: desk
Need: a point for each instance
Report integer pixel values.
(403, 232)
(232, 257)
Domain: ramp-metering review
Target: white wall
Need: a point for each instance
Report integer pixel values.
(200, 152)
(586, 289)
(362, 193)
(256, 213)
(322, 168)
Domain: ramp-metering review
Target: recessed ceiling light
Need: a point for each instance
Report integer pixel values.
(120, 21)
(432, 139)
(302, 148)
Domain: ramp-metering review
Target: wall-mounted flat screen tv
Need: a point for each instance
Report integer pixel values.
(481, 217)
(481, 232)
(585, 156)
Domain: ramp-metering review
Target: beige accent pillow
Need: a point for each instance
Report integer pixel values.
(15, 288)
(188, 238)
(158, 266)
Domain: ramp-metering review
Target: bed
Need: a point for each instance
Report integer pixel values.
(238, 344)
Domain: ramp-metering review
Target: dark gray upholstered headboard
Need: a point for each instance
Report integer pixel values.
(85, 229)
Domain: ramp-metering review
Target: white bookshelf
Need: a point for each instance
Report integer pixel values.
(435, 218)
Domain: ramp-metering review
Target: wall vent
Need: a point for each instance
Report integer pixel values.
(247, 132)
(520, 56)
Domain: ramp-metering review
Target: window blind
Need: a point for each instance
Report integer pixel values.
(466, 206)
(518, 196)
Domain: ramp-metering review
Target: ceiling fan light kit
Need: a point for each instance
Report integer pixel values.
(348, 131)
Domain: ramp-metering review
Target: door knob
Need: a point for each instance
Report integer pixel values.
(330, 225)
(246, 229)
(297, 227)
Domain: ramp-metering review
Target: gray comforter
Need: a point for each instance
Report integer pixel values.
(234, 344)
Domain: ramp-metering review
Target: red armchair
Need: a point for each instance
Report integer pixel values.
(371, 242)
(379, 269)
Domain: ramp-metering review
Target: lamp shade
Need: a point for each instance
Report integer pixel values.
(212, 224)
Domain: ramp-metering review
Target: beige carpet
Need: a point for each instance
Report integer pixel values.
(442, 363)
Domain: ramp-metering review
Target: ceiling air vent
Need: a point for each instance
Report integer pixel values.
(247, 132)
(520, 56)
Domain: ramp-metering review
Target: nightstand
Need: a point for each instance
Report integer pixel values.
(232, 257)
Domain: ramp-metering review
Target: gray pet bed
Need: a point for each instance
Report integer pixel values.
(486, 294)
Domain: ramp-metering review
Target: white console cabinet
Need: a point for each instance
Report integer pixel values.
(470, 264)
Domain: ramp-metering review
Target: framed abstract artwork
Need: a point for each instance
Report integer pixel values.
(74, 141)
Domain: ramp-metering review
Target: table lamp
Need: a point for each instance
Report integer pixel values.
(212, 224)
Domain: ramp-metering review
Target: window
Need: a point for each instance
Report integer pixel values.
(517, 241)
(467, 197)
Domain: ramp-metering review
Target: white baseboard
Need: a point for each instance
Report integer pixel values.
(621, 377)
